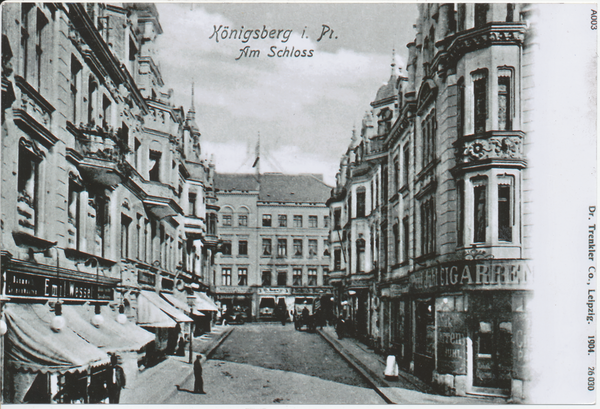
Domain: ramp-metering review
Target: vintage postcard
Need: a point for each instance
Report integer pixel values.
(321, 203)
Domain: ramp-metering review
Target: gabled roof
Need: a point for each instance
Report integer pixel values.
(277, 187)
(226, 182)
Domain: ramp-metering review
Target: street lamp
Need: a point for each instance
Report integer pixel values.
(97, 319)
(58, 321)
(191, 301)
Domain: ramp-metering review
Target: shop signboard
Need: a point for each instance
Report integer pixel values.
(451, 343)
(29, 285)
(479, 274)
(274, 291)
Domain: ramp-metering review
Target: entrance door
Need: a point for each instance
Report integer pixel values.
(424, 339)
(492, 344)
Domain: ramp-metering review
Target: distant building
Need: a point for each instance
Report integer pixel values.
(274, 231)
(429, 237)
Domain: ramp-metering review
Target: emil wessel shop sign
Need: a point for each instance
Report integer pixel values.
(27, 285)
(476, 273)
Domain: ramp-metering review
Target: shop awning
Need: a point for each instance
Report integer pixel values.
(149, 315)
(32, 346)
(182, 306)
(110, 336)
(164, 306)
(203, 303)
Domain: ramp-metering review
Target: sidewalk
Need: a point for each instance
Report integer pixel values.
(174, 367)
(408, 389)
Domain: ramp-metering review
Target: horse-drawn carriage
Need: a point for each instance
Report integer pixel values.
(305, 313)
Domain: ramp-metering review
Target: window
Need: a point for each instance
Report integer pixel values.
(480, 97)
(510, 11)
(460, 106)
(428, 129)
(73, 213)
(192, 204)
(282, 278)
(212, 224)
(312, 276)
(313, 221)
(243, 220)
(138, 237)
(125, 222)
(504, 213)
(312, 248)
(226, 276)
(297, 247)
(266, 247)
(427, 226)
(460, 210)
(227, 218)
(242, 276)
(106, 113)
(243, 248)
(154, 165)
(325, 276)
(360, 201)
(145, 241)
(27, 185)
(480, 214)
(326, 247)
(461, 10)
(25, 9)
(226, 248)
(282, 220)
(39, 37)
(281, 247)
(396, 175)
(405, 239)
(75, 78)
(297, 277)
(405, 164)
(481, 10)
(396, 233)
(266, 220)
(326, 222)
(360, 260)
(337, 259)
(266, 278)
(298, 221)
(504, 108)
(337, 218)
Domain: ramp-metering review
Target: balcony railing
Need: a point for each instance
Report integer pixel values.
(100, 143)
(490, 146)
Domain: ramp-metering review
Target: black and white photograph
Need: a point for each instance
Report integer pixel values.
(298, 203)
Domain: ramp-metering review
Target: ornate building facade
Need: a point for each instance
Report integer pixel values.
(275, 251)
(451, 283)
(106, 201)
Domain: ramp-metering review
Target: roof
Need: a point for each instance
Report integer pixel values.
(277, 187)
(226, 182)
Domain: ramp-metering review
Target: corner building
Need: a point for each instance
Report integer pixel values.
(108, 211)
(275, 250)
(452, 281)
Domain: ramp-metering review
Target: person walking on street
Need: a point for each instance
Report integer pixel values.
(119, 381)
(198, 381)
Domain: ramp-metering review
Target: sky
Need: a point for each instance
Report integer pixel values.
(304, 108)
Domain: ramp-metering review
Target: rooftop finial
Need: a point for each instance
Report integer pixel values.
(192, 94)
(394, 61)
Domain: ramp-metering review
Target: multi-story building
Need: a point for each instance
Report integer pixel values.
(274, 230)
(453, 277)
(106, 203)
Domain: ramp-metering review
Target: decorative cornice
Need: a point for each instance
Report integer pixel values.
(34, 128)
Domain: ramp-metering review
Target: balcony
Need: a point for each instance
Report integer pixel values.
(103, 153)
(503, 148)
(160, 199)
(195, 227)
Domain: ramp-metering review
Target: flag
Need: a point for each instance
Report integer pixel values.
(257, 152)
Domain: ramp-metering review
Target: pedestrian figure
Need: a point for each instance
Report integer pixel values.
(118, 382)
(198, 381)
(283, 316)
(180, 347)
